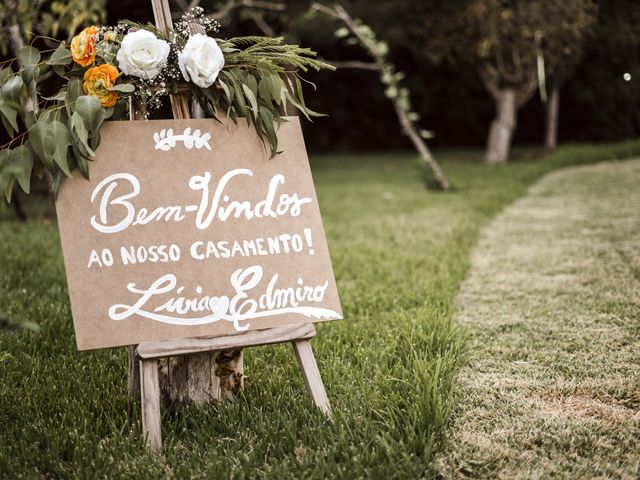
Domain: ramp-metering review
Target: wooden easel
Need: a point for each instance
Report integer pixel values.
(148, 353)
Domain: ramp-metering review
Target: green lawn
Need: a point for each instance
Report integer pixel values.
(400, 253)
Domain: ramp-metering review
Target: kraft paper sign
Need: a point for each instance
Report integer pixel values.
(187, 228)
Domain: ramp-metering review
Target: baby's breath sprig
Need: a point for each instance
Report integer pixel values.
(195, 15)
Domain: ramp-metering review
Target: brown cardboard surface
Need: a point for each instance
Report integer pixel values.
(191, 186)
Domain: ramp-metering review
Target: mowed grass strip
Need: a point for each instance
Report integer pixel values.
(399, 253)
(552, 305)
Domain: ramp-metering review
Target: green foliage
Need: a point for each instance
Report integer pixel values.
(55, 134)
(258, 82)
(508, 38)
(29, 18)
(60, 133)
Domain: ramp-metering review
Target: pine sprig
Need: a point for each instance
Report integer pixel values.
(271, 55)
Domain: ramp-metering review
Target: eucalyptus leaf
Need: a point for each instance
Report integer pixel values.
(58, 177)
(77, 126)
(61, 135)
(74, 90)
(267, 120)
(7, 126)
(49, 141)
(21, 163)
(252, 99)
(12, 89)
(60, 96)
(240, 104)
(276, 84)
(82, 161)
(92, 114)
(5, 74)
(40, 143)
(29, 56)
(6, 184)
(61, 56)
(264, 89)
(124, 87)
(6, 176)
(11, 115)
(226, 90)
(250, 81)
(30, 77)
(30, 119)
(212, 94)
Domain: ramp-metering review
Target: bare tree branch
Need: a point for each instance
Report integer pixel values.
(368, 42)
(264, 27)
(184, 6)
(490, 81)
(354, 64)
(231, 5)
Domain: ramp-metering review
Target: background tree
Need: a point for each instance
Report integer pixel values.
(507, 38)
(561, 54)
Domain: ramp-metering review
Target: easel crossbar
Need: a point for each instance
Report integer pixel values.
(188, 346)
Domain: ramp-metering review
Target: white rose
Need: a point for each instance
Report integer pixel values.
(142, 54)
(201, 60)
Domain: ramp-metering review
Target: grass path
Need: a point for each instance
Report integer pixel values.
(552, 304)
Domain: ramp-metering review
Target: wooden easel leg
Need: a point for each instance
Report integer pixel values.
(150, 399)
(311, 374)
(133, 369)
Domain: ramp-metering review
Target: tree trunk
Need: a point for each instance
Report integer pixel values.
(553, 111)
(502, 127)
(202, 378)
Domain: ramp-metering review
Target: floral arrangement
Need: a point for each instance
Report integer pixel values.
(106, 71)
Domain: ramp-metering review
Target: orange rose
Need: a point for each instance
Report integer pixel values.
(83, 46)
(98, 81)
